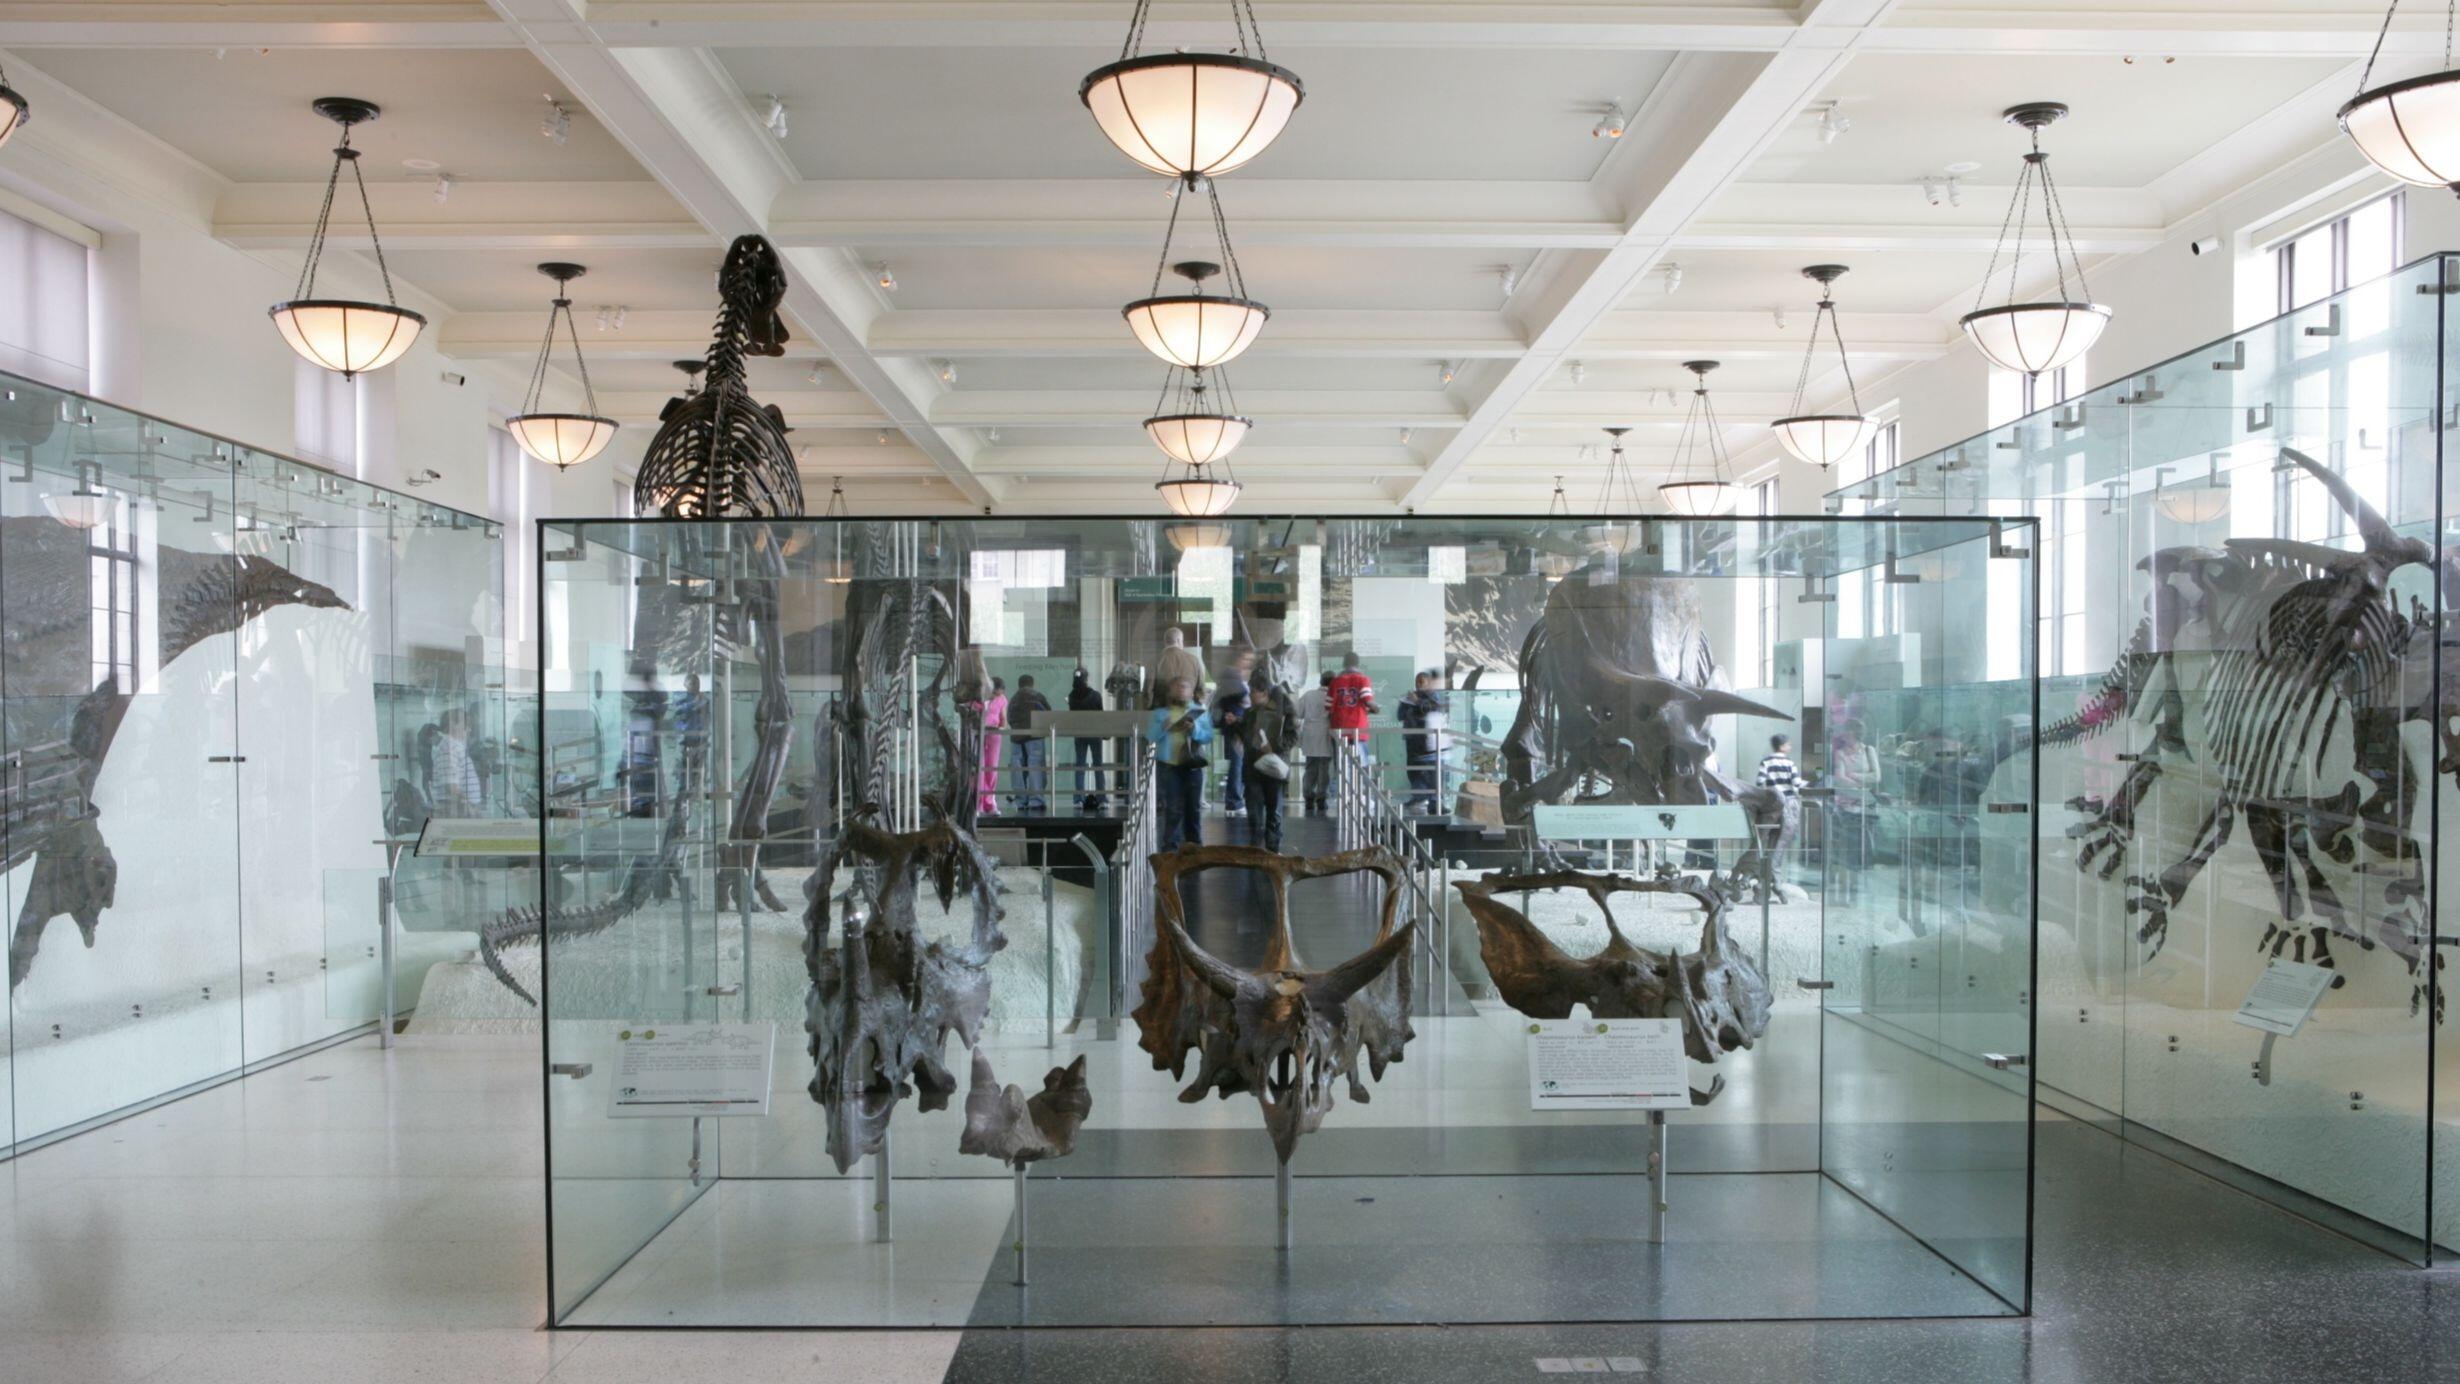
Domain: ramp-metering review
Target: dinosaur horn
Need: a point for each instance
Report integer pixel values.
(1710, 701)
(2381, 541)
(1335, 986)
(1220, 976)
(1667, 688)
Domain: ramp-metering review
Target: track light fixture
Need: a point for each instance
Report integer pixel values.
(2037, 334)
(344, 335)
(444, 188)
(1579, 373)
(1448, 371)
(2409, 128)
(818, 369)
(1510, 275)
(1192, 114)
(946, 370)
(1823, 439)
(775, 121)
(1673, 274)
(557, 125)
(1612, 124)
(562, 440)
(882, 275)
(1832, 121)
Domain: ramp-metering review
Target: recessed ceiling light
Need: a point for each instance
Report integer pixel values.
(421, 165)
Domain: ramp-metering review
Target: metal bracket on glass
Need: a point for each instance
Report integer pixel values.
(1815, 984)
(25, 468)
(2004, 1060)
(2069, 421)
(1811, 594)
(572, 554)
(1999, 546)
(2148, 392)
(1893, 577)
(721, 991)
(575, 1070)
(1815, 794)
(2259, 418)
(226, 759)
(2331, 322)
(2237, 358)
(2011, 807)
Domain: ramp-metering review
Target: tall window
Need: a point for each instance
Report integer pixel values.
(43, 316)
(111, 570)
(1764, 598)
(2365, 244)
(2051, 388)
(325, 416)
(2066, 581)
(513, 489)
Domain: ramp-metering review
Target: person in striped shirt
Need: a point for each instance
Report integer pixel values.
(1778, 770)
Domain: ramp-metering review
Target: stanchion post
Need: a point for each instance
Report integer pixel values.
(883, 1222)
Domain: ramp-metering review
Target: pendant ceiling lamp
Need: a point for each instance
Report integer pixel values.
(86, 507)
(561, 440)
(13, 109)
(2038, 334)
(1190, 537)
(342, 334)
(1197, 491)
(1824, 439)
(1192, 115)
(838, 568)
(1190, 425)
(1197, 330)
(2409, 128)
(1702, 436)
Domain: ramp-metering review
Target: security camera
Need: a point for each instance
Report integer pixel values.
(2209, 245)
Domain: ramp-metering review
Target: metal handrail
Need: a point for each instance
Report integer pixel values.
(1129, 865)
(1368, 815)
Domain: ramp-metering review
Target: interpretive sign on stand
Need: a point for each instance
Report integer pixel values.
(489, 836)
(693, 1069)
(2284, 995)
(1608, 1064)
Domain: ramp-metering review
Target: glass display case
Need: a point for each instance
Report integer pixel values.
(1584, 1025)
(206, 745)
(2247, 748)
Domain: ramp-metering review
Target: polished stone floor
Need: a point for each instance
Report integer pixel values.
(372, 1217)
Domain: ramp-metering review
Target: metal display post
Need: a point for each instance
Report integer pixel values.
(883, 1224)
(1281, 1197)
(393, 847)
(1020, 1225)
(1657, 1177)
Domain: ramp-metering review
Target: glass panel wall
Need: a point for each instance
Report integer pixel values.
(2245, 747)
(746, 977)
(190, 699)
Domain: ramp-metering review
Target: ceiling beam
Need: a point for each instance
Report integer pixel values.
(683, 119)
(1697, 132)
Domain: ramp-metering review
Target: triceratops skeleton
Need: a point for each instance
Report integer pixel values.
(1720, 996)
(1618, 687)
(1281, 1031)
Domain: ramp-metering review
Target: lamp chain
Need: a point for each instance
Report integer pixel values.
(369, 210)
(1221, 232)
(324, 218)
(581, 362)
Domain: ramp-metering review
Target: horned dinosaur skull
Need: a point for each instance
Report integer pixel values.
(883, 999)
(1281, 1031)
(1002, 1123)
(1717, 992)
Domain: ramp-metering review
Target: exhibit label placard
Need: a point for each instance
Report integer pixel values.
(2284, 995)
(1641, 821)
(497, 837)
(1608, 1064)
(693, 1069)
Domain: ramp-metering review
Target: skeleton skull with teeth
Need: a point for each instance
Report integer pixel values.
(1281, 1031)
(883, 1000)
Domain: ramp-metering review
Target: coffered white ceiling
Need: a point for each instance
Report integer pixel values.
(1436, 149)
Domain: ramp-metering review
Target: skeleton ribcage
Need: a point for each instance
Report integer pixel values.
(2277, 720)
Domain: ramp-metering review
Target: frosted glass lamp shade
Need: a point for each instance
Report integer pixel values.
(1187, 537)
(349, 338)
(81, 509)
(1193, 330)
(13, 113)
(561, 440)
(1191, 113)
(2036, 337)
(2409, 129)
(1199, 439)
(1697, 499)
(1198, 494)
(1822, 439)
(2193, 504)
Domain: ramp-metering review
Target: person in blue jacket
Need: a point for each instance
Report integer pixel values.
(1180, 730)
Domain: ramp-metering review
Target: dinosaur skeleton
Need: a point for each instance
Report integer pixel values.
(2287, 670)
(1720, 996)
(47, 810)
(883, 1000)
(1280, 1030)
(1619, 685)
(717, 454)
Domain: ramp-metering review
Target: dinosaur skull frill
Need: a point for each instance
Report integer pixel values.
(1282, 1031)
